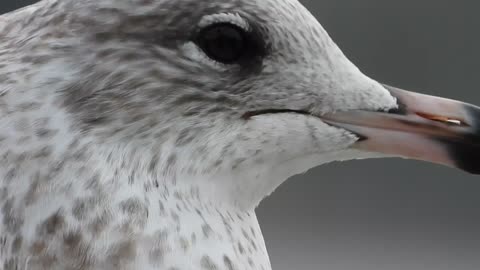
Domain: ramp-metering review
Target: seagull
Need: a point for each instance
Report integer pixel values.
(143, 134)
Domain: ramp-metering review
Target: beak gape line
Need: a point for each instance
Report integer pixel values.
(424, 127)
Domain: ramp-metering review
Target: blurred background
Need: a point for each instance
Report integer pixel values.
(385, 214)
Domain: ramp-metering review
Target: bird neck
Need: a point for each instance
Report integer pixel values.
(211, 235)
(189, 216)
(177, 216)
(94, 215)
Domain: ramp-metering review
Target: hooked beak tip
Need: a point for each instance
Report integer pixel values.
(466, 154)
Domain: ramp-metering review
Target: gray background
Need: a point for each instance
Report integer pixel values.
(385, 214)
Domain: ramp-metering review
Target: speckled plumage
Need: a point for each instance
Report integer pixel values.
(122, 146)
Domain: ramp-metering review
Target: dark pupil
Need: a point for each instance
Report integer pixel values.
(224, 43)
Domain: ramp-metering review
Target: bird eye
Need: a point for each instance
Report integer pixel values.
(225, 42)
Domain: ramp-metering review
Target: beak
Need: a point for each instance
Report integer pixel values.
(424, 127)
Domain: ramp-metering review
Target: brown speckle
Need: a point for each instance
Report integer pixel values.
(79, 210)
(253, 232)
(122, 252)
(131, 206)
(10, 264)
(99, 223)
(161, 208)
(193, 238)
(28, 106)
(45, 133)
(157, 254)
(31, 195)
(43, 152)
(184, 244)
(17, 244)
(10, 174)
(37, 247)
(228, 263)
(240, 248)
(207, 230)
(72, 240)
(250, 262)
(53, 224)
(207, 264)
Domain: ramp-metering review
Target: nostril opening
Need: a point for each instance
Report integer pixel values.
(396, 111)
(401, 109)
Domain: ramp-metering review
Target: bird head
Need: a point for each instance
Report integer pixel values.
(249, 92)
